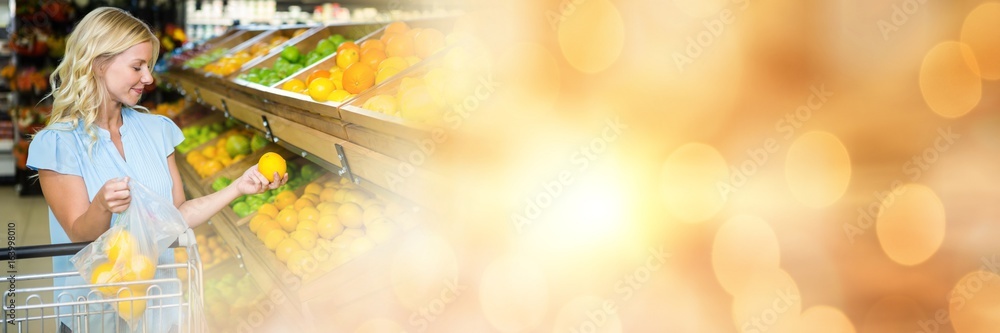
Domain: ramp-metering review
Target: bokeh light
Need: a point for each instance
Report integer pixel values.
(421, 268)
(592, 35)
(689, 180)
(588, 314)
(911, 226)
(769, 301)
(744, 246)
(949, 80)
(975, 302)
(380, 325)
(981, 34)
(893, 314)
(825, 319)
(700, 8)
(514, 294)
(818, 169)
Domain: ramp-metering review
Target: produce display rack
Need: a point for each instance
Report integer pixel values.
(363, 147)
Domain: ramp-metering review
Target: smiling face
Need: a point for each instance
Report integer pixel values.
(128, 73)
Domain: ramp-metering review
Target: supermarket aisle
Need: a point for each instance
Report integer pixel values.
(30, 216)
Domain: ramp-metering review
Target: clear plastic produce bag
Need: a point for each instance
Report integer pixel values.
(127, 254)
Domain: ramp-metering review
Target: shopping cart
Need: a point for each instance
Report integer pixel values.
(165, 297)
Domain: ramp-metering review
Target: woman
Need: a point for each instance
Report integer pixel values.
(97, 141)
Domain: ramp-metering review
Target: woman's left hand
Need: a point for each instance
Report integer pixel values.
(253, 182)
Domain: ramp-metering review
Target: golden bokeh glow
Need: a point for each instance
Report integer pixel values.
(818, 169)
(770, 301)
(514, 294)
(528, 74)
(975, 302)
(588, 314)
(592, 35)
(911, 226)
(949, 80)
(743, 246)
(689, 180)
(825, 319)
(893, 314)
(700, 8)
(981, 34)
(422, 267)
(380, 325)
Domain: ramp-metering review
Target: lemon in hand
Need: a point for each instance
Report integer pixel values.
(270, 163)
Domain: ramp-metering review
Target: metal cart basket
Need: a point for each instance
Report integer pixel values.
(176, 297)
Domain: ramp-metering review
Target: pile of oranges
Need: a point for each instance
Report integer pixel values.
(231, 63)
(210, 160)
(359, 67)
(327, 225)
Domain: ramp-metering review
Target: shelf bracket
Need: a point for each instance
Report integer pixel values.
(197, 94)
(225, 109)
(345, 168)
(267, 129)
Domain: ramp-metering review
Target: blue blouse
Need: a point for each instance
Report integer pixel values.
(147, 141)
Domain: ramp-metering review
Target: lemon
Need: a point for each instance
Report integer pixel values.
(338, 95)
(133, 309)
(270, 163)
(104, 273)
(273, 238)
(351, 215)
(285, 249)
(382, 103)
(121, 244)
(306, 238)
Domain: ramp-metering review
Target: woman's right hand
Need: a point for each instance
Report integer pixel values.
(114, 196)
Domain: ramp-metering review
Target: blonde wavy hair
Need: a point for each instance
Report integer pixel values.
(77, 92)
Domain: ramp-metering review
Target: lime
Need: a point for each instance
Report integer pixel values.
(290, 53)
(325, 47)
(238, 145)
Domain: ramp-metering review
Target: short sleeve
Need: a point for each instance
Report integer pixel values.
(172, 135)
(55, 150)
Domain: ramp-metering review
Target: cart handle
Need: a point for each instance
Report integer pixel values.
(54, 250)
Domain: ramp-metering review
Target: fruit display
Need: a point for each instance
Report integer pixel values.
(229, 299)
(201, 60)
(211, 249)
(196, 135)
(124, 264)
(231, 63)
(426, 94)
(230, 148)
(248, 204)
(291, 60)
(357, 68)
(324, 227)
(170, 110)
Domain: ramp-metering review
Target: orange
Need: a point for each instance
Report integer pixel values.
(195, 157)
(308, 214)
(271, 163)
(268, 209)
(358, 77)
(302, 203)
(326, 195)
(209, 152)
(348, 45)
(313, 188)
(320, 89)
(347, 57)
(121, 245)
(284, 199)
(386, 73)
(388, 36)
(294, 85)
(397, 27)
(307, 225)
(418, 104)
(329, 226)
(399, 46)
(306, 238)
(412, 32)
(311, 197)
(351, 215)
(210, 168)
(372, 57)
(329, 209)
(287, 219)
(285, 248)
(273, 238)
(397, 62)
(316, 74)
(259, 220)
(428, 41)
(266, 228)
(372, 44)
